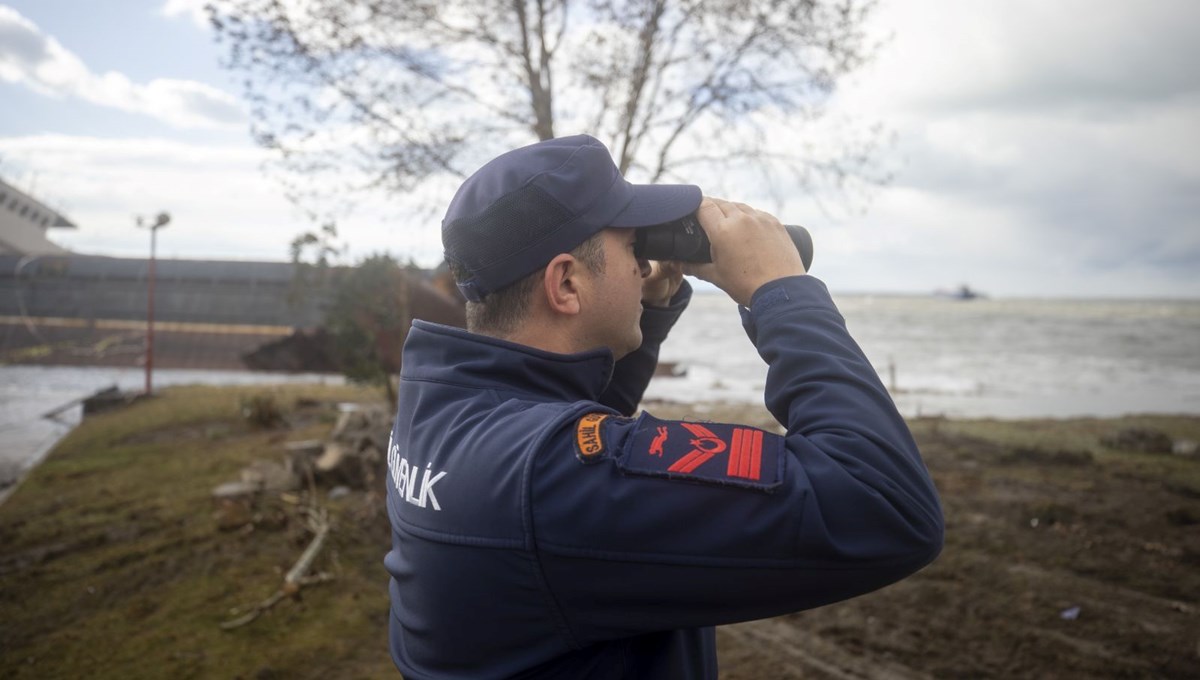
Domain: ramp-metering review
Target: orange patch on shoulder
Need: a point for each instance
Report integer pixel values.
(588, 439)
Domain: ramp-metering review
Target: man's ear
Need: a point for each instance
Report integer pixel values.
(560, 284)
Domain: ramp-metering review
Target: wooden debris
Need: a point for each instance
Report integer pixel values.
(353, 456)
(234, 503)
(271, 476)
(297, 577)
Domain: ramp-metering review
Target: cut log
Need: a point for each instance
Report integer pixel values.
(271, 476)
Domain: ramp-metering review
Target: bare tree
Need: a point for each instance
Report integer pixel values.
(387, 94)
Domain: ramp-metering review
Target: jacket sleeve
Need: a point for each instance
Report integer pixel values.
(632, 373)
(634, 539)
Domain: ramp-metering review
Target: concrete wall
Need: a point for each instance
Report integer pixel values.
(198, 291)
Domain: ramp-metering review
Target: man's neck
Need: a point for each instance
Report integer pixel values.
(546, 338)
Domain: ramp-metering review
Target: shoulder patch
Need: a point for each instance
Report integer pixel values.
(713, 453)
(589, 437)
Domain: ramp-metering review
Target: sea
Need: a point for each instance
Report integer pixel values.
(981, 358)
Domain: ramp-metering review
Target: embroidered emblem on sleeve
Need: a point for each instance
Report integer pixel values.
(589, 437)
(714, 453)
(659, 439)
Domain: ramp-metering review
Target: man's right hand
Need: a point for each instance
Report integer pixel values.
(749, 248)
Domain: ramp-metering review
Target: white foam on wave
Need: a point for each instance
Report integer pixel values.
(990, 358)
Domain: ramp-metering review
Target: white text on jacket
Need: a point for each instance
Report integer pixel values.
(413, 486)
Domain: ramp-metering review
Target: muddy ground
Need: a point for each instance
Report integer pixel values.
(1067, 555)
(1064, 557)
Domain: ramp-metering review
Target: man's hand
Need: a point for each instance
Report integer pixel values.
(749, 248)
(661, 284)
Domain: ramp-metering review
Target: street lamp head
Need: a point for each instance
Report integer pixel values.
(160, 220)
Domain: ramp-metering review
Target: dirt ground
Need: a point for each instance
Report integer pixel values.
(1068, 554)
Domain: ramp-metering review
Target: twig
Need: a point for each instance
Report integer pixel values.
(296, 578)
(318, 521)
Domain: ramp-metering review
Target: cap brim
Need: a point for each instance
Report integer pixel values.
(658, 203)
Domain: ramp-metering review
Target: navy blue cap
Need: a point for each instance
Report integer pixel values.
(523, 208)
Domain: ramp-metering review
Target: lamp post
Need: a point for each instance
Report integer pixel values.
(160, 221)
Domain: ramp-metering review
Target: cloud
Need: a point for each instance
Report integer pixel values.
(222, 205)
(38, 61)
(1028, 54)
(192, 9)
(1044, 149)
(1112, 193)
(23, 46)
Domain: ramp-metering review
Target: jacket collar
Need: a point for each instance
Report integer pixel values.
(452, 355)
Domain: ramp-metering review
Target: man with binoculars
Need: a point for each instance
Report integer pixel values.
(541, 529)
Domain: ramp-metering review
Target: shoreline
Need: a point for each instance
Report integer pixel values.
(31, 390)
(16, 473)
(16, 468)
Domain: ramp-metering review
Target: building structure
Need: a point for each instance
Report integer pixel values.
(91, 310)
(58, 307)
(24, 221)
(65, 308)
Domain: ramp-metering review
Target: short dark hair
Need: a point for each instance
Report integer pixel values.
(501, 312)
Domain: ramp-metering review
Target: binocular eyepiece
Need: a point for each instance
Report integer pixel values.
(685, 241)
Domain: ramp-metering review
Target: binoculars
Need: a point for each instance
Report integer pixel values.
(683, 240)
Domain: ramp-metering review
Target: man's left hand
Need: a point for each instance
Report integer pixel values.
(662, 283)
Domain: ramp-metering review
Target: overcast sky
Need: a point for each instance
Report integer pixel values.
(1041, 148)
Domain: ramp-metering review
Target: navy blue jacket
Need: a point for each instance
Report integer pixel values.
(539, 531)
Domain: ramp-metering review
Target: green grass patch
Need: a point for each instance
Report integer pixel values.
(113, 565)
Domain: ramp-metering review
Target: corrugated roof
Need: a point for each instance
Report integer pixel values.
(57, 218)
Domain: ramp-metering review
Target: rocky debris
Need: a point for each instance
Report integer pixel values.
(303, 350)
(234, 491)
(352, 457)
(106, 400)
(301, 453)
(234, 505)
(240, 503)
(271, 476)
(1035, 454)
(1184, 447)
(1140, 440)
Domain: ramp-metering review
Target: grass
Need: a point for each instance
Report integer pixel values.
(113, 564)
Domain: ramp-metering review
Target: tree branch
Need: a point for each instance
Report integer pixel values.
(418, 82)
(297, 577)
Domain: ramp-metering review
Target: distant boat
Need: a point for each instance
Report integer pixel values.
(670, 369)
(964, 292)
